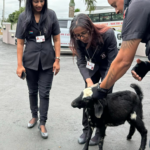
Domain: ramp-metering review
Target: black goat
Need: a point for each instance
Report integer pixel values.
(119, 107)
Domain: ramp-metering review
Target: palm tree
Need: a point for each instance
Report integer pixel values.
(90, 4)
(20, 3)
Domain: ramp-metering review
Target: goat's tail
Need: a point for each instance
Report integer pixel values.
(137, 90)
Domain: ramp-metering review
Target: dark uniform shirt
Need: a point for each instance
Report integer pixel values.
(136, 24)
(103, 57)
(35, 52)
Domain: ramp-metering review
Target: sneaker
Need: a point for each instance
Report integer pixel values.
(82, 138)
(94, 141)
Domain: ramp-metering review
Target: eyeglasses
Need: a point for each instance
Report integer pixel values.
(83, 35)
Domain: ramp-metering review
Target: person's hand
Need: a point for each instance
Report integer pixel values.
(134, 74)
(56, 66)
(140, 69)
(99, 93)
(95, 92)
(19, 71)
(89, 82)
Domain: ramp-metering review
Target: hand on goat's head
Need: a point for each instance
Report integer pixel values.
(95, 92)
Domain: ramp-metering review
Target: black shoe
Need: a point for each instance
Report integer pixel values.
(94, 140)
(82, 138)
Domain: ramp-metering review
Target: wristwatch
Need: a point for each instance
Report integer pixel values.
(57, 58)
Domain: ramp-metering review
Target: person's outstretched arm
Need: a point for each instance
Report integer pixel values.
(121, 63)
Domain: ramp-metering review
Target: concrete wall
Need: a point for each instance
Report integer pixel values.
(14, 26)
(8, 34)
(6, 27)
(11, 37)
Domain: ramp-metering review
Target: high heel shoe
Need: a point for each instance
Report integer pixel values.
(30, 125)
(43, 134)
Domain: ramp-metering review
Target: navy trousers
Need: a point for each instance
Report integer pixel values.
(39, 81)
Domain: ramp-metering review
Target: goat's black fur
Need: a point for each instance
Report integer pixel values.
(119, 107)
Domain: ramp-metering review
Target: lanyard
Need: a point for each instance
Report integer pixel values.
(93, 54)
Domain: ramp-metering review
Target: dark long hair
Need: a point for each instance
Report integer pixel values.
(29, 15)
(95, 31)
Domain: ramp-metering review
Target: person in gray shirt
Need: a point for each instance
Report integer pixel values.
(136, 29)
(39, 60)
(95, 47)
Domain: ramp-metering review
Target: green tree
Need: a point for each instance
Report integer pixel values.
(13, 18)
(90, 4)
(77, 10)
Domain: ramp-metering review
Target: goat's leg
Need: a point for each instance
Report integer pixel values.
(131, 132)
(102, 136)
(139, 125)
(90, 131)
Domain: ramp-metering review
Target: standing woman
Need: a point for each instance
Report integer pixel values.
(39, 60)
(95, 47)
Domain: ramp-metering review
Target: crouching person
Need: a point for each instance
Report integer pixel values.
(95, 47)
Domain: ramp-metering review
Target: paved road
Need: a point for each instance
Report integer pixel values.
(64, 123)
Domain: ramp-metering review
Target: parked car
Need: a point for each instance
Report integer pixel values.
(118, 38)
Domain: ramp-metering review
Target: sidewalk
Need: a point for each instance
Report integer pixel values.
(64, 122)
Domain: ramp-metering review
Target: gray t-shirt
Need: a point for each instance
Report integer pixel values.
(136, 24)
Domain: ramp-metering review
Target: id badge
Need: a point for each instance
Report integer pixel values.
(90, 65)
(40, 39)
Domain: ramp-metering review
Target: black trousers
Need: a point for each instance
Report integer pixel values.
(39, 81)
(95, 78)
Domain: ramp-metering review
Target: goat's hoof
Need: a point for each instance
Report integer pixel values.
(129, 137)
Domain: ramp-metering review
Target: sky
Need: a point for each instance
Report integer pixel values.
(61, 7)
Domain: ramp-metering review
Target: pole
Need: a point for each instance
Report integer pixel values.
(3, 10)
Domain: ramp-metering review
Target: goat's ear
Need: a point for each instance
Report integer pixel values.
(98, 108)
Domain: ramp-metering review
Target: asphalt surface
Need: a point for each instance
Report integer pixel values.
(64, 122)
